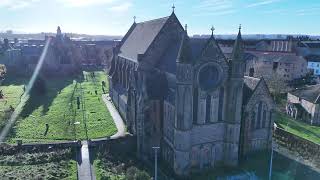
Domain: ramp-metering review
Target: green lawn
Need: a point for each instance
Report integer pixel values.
(45, 165)
(58, 108)
(12, 94)
(299, 128)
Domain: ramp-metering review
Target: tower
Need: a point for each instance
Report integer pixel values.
(184, 106)
(234, 105)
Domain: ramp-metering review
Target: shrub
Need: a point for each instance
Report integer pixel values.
(142, 175)
(39, 86)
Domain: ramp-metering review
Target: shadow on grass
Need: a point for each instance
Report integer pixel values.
(296, 125)
(54, 87)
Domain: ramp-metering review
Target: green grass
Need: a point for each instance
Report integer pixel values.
(40, 165)
(12, 94)
(117, 165)
(58, 109)
(312, 133)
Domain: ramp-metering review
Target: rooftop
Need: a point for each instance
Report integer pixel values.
(141, 37)
(309, 93)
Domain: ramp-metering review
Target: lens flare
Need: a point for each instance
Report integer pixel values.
(25, 96)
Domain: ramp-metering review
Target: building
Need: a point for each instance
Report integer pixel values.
(288, 66)
(304, 104)
(185, 96)
(314, 64)
(64, 56)
(306, 48)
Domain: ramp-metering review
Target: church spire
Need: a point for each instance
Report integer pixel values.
(237, 53)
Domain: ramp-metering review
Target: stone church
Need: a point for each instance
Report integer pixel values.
(183, 95)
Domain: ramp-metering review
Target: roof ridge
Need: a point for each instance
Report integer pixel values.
(153, 20)
(252, 77)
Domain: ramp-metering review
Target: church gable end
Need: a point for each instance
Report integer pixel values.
(260, 93)
(170, 34)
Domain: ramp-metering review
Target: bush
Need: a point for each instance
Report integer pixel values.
(142, 175)
(39, 86)
(134, 173)
(3, 71)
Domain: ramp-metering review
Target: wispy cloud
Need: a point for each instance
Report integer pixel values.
(84, 3)
(308, 11)
(121, 7)
(262, 3)
(214, 7)
(16, 4)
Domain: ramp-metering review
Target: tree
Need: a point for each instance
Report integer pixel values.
(3, 70)
(277, 86)
(134, 173)
(39, 86)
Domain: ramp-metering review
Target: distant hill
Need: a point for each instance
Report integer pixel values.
(256, 36)
(40, 36)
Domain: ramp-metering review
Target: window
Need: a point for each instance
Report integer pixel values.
(208, 108)
(264, 118)
(253, 120)
(275, 65)
(259, 116)
(221, 97)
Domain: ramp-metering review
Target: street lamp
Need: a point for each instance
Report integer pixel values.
(155, 148)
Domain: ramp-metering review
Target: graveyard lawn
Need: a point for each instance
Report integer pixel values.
(57, 164)
(56, 115)
(311, 133)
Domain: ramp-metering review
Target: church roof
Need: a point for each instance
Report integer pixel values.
(141, 37)
(197, 45)
(309, 93)
(250, 84)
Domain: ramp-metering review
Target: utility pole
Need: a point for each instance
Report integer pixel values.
(270, 168)
(155, 161)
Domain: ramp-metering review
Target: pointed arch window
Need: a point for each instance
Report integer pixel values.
(259, 115)
(221, 98)
(208, 108)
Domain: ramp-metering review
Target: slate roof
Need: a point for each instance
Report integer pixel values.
(141, 38)
(168, 62)
(279, 56)
(313, 58)
(197, 45)
(309, 93)
(250, 84)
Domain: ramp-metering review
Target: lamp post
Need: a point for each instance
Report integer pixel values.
(155, 148)
(270, 168)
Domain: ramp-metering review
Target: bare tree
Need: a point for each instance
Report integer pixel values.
(277, 86)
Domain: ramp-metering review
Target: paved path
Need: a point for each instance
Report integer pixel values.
(116, 118)
(85, 168)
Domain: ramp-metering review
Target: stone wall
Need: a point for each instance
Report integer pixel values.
(307, 149)
(6, 149)
(124, 145)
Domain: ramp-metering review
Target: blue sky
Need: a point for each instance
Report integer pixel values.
(114, 17)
